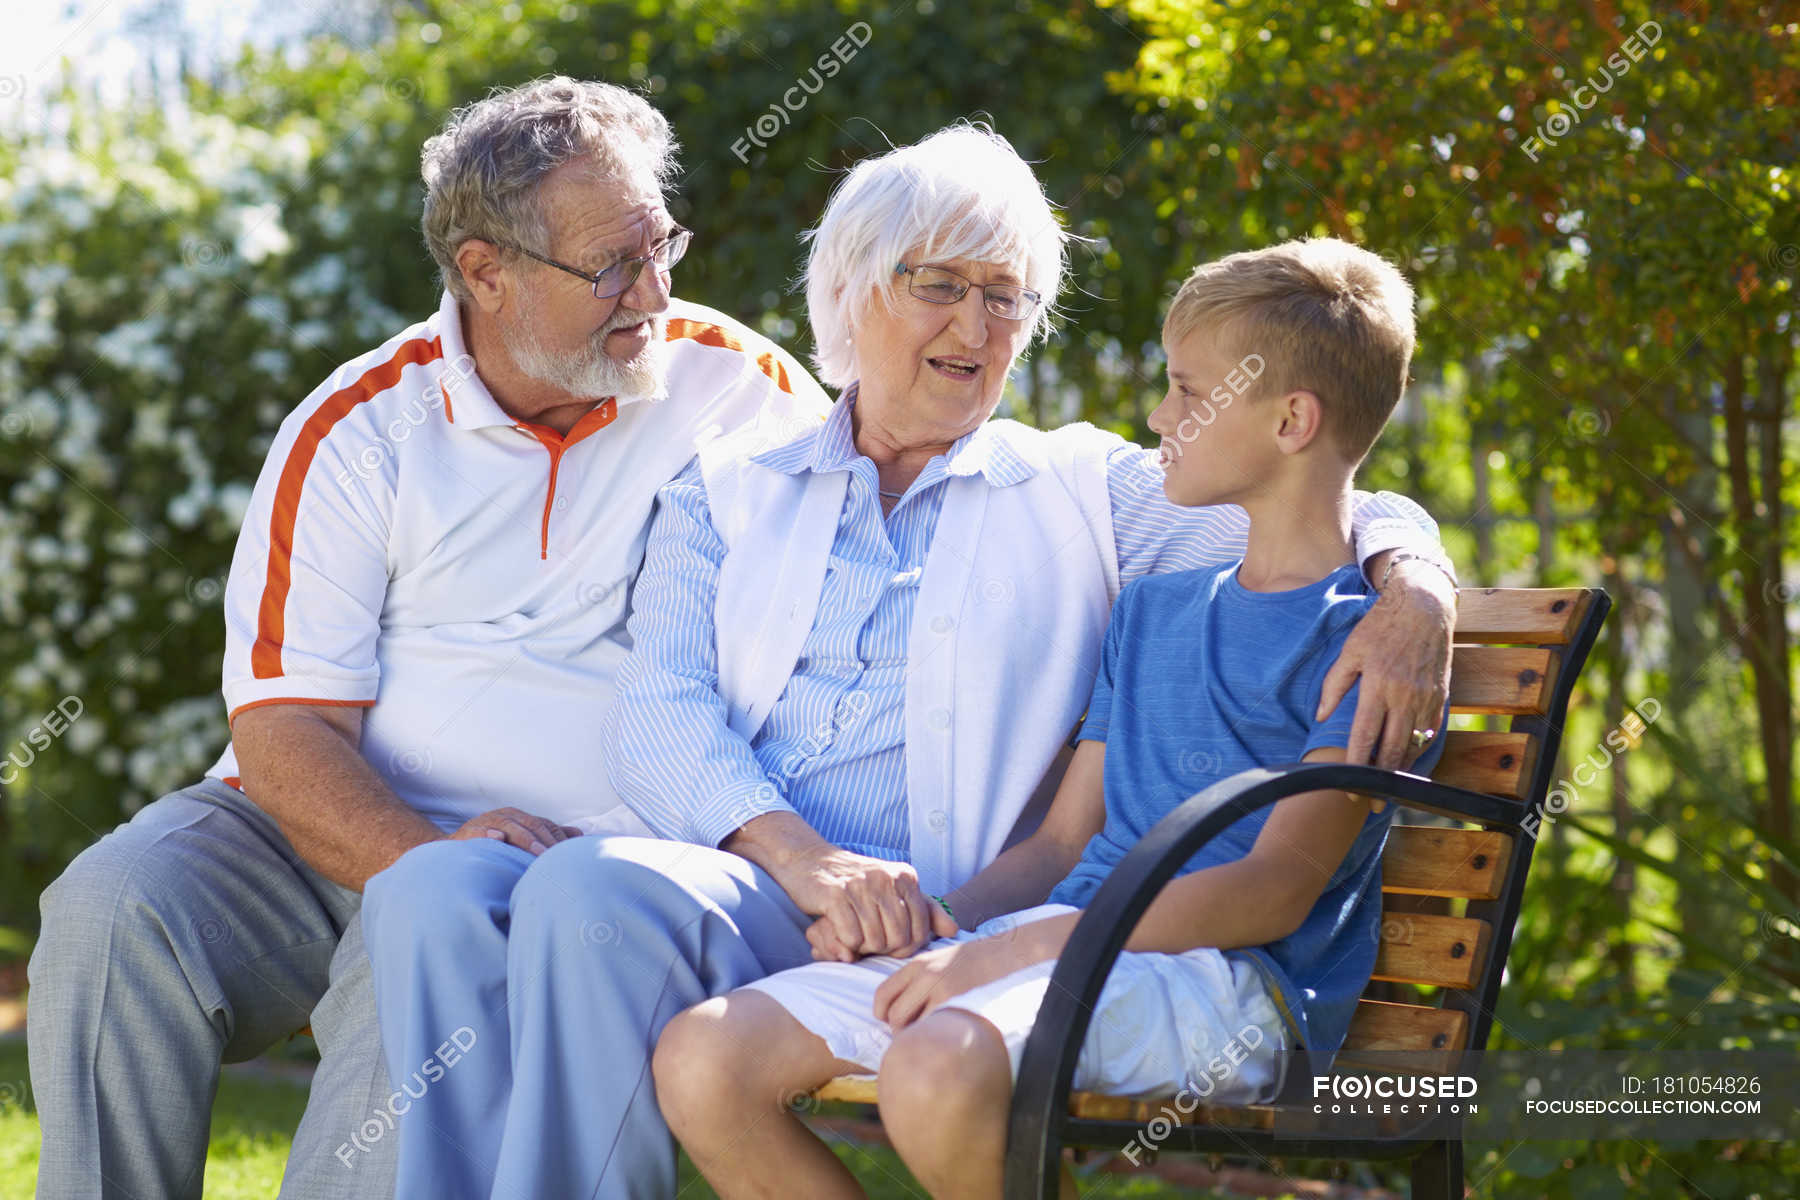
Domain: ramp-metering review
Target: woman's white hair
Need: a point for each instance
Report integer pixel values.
(963, 192)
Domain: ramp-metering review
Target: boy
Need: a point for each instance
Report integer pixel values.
(1284, 364)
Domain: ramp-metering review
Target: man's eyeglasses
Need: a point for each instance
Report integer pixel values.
(618, 279)
(940, 286)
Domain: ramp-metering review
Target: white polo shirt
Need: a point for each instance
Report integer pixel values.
(464, 577)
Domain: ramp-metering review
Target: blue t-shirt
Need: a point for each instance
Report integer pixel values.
(1201, 678)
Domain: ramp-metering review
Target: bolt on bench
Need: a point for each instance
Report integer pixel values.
(1518, 655)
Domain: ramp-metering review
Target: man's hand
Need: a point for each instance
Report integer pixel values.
(866, 906)
(1401, 652)
(515, 828)
(943, 974)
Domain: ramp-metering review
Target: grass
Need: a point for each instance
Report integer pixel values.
(254, 1117)
(253, 1120)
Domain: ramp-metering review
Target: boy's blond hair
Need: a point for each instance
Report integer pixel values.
(1325, 316)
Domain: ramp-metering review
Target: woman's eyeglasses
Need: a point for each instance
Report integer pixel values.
(940, 286)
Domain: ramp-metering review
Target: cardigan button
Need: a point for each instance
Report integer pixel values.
(942, 624)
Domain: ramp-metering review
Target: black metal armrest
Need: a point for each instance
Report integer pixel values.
(1047, 1069)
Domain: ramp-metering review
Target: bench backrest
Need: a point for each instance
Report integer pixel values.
(1451, 895)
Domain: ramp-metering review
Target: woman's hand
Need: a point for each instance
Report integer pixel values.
(866, 906)
(943, 974)
(1401, 652)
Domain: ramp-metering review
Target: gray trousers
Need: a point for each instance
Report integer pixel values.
(190, 936)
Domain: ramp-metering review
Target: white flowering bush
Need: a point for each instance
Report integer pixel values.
(164, 303)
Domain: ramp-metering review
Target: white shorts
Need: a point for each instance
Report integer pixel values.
(1197, 1022)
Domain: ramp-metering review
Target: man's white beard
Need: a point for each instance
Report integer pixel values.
(590, 374)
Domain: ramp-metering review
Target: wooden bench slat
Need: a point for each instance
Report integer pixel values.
(1497, 763)
(1096, 1107)
(1426, 860)
(861, 1089)
(851, 1089)
(1432, 951)
(1376, 1027)
(1501, 679)
(1541, 616)
(1379, 1027)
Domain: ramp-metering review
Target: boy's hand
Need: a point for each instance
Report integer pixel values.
(943, 974)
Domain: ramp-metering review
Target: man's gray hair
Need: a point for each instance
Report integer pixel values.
(482, 172)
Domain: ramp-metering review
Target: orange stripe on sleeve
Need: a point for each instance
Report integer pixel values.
(708, 334)
(271, 618)
(243, 708)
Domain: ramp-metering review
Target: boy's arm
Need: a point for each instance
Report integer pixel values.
(1266, 895)
(1261, 898)
(1024, 874)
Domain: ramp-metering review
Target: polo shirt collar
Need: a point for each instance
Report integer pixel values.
(471, 405)
(832, 447)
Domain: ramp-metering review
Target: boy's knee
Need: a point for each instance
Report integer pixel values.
(697, 1066)
(942, 1062)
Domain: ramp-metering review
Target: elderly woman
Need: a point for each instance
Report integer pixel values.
(859, 650)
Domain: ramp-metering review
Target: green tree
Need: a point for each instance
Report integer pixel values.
(1596, 203)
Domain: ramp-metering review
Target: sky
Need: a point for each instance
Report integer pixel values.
(114, 43)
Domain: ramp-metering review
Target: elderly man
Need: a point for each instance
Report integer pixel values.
(424, 618)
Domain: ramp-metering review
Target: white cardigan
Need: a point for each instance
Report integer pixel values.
(1011, 613)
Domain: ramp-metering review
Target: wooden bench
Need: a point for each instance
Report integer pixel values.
(1451, 895)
